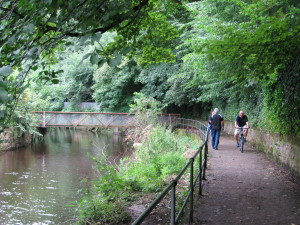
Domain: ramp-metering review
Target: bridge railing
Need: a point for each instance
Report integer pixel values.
(92, 119)
(193, 179)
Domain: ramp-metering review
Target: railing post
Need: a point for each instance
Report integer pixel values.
(200, 172)
(44, 119)
(173, 203)
(192, 190)
(205, 159)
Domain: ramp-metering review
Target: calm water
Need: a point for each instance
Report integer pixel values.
(37, 183)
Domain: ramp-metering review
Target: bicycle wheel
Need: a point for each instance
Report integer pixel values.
(241, 143)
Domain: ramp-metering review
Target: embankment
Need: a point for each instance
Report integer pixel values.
(14, 138)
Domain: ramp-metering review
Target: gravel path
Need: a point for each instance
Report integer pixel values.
(246, 188)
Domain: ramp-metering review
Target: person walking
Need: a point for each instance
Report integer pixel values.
(216, 122)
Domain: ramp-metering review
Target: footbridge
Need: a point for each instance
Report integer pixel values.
(93, 119)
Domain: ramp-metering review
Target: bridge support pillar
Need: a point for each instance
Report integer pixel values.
(116, 130)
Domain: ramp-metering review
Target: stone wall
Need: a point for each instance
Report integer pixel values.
(13, 139)
(283, 148)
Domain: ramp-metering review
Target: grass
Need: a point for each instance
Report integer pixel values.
(160, 156)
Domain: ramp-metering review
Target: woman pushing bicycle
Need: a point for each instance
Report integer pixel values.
(241, 121)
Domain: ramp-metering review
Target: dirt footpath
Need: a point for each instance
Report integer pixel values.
(246, 188)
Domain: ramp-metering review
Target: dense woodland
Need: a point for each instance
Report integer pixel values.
(190, 56)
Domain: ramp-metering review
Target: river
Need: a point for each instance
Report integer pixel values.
(38, 183)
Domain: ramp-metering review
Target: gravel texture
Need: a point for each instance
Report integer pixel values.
(246, 188)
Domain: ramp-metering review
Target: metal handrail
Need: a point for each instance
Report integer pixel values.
(202, 152)
(93, 119)
(110, 113)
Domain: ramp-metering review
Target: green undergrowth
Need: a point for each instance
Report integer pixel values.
(160, 155)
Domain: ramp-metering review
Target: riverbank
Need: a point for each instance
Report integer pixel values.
(125, 190)
(13, 138)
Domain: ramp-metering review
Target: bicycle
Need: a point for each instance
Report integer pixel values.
(242, 139)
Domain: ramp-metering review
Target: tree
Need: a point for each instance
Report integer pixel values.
(244, 50)
(114, 87)
(73, 83)
(31, 30)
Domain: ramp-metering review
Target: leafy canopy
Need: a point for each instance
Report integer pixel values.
(31, 30)
(243, 52)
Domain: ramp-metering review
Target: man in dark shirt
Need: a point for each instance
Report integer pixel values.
(216, 123)
(241, 121)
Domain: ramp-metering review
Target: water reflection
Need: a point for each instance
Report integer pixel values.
(36, 183)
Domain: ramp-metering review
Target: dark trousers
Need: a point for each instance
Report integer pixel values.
(215, 135)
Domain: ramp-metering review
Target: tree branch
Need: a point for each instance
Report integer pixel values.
(136, 9)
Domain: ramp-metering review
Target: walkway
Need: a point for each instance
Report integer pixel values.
(246, 188)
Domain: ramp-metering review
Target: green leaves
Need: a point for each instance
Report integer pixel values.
(94, 58)
(28, 28)
(125, 50)
(5, 71)
(96, 37)
(240, 49)
(51, 76)
(116, 60)
(86, 56)
(114, 86)
(3, 95)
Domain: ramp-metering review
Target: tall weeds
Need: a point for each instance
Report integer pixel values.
(160, 155)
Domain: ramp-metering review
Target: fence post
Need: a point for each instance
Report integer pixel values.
(205, 159)
(200, 172)
(173, 203)
(44, 119)
(192, 190)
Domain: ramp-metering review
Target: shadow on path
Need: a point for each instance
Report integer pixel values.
(246, 188)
